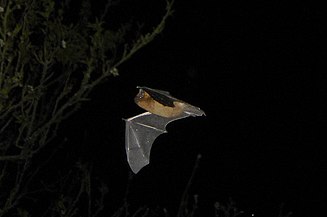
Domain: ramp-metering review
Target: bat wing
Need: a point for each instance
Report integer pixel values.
(141, 131)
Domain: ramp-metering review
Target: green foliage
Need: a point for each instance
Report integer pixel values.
(48, 66)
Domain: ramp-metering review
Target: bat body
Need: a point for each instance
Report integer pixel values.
(143, 129)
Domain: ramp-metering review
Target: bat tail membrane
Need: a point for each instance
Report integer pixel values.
(193, 111)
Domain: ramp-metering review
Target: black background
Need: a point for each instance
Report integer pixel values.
(257, 69)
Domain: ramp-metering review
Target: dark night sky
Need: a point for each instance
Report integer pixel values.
(256, 70)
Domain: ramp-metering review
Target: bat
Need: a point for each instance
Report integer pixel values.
(141, 130)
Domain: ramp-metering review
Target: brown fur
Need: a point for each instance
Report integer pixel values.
(145, 101)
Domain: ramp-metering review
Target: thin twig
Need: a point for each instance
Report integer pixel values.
(184, 199)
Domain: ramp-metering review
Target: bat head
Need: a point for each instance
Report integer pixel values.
(142, 97)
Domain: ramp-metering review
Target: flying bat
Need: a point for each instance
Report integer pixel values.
(143, 129)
